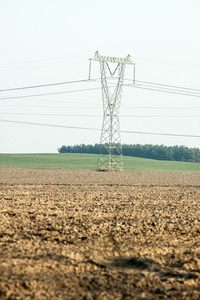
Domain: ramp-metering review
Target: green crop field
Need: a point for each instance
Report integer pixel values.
(89, 161)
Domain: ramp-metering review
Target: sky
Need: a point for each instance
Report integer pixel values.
(48, 41)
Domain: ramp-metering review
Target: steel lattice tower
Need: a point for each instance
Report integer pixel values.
(111, 148)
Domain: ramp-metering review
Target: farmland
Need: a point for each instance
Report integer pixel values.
(89, 161)
(82, 234)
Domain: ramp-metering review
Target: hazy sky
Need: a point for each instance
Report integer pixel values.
(50, 41)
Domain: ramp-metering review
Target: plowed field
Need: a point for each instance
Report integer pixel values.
(78, 234)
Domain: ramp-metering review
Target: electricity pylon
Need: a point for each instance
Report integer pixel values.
(110, 143)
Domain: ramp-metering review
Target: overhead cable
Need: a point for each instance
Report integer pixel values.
(97, 88)
(135, 107)
(137, 84)
(96, 129)
(81, 115)
(162, 85)
(48, 94)
(49, 125)
(45, 85)
(167, 85)
(163, 90)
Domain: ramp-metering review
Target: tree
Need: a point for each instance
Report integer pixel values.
(159, 152)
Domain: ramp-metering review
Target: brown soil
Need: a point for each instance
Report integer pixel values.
(77, 234)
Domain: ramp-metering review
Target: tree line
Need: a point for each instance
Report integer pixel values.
(159, 152)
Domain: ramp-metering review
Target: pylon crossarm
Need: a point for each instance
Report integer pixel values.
(120, 60)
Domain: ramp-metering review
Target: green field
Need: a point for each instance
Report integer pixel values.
(89, 161)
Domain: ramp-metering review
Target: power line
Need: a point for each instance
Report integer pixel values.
(48, 94)
(45, 85)
(138, 84)
(166, 108)
(49, 125)
(97, 106)
(135, 107)
(44, 59)
(164, 85)
(159, 116)
(49, 115)
(184, 93)
(96, 129)
(181, 91)
(153, 60)
(168, 134)
(90, 89)
(84, 115)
